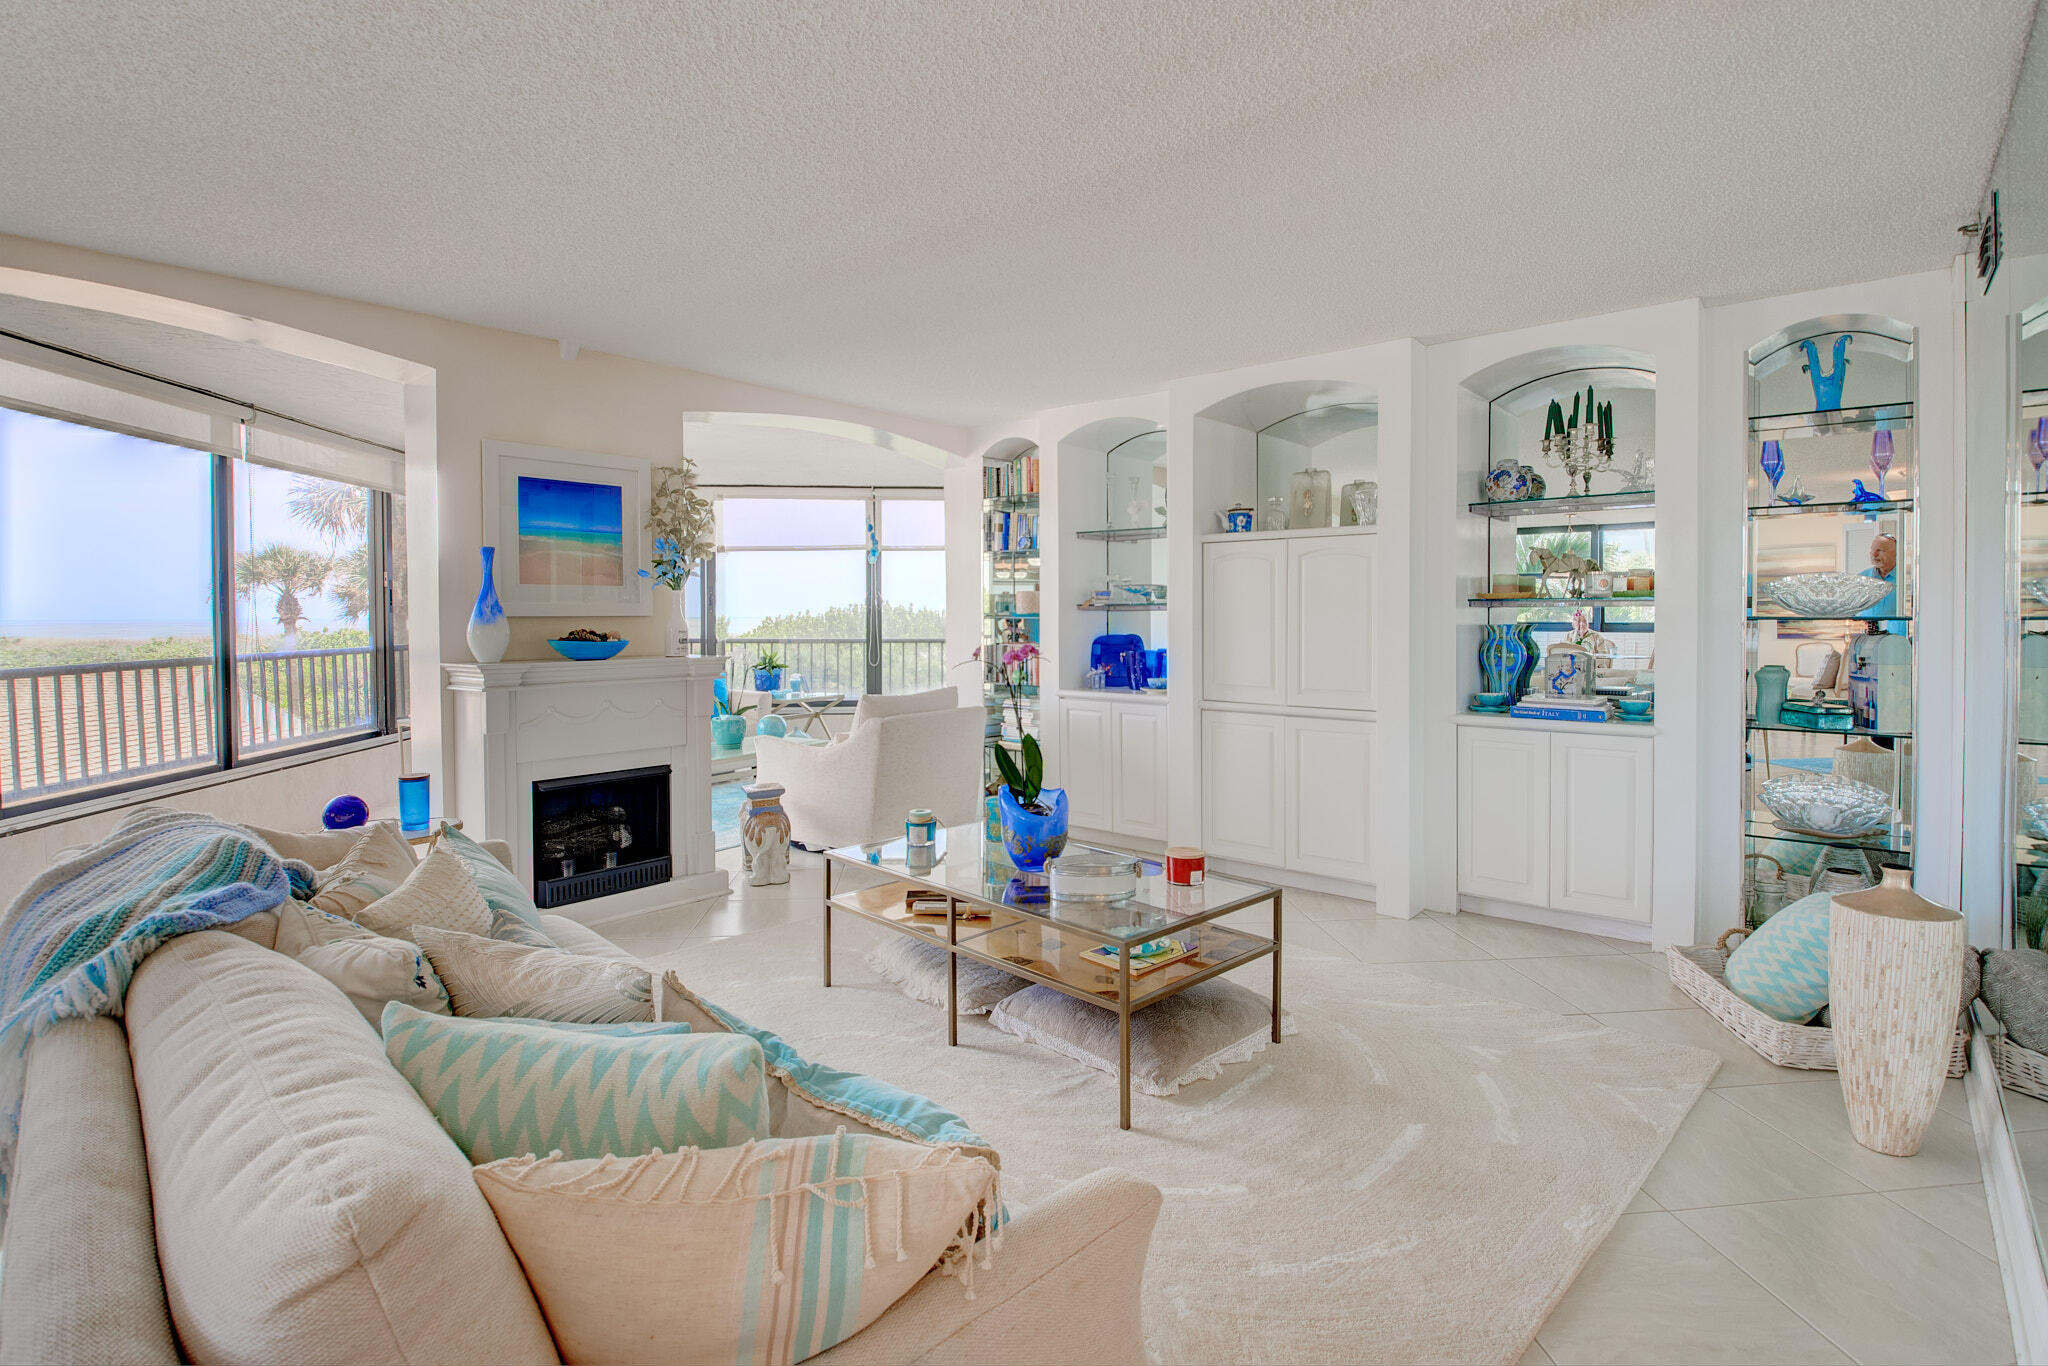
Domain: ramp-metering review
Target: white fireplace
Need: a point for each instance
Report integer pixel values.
(521, 726)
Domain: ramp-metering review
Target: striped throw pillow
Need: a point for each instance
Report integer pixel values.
(1782, 967)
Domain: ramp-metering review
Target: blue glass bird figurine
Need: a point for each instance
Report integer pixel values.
(1827, 389)
(1864, 495)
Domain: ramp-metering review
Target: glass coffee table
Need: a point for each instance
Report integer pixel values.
(986, 909)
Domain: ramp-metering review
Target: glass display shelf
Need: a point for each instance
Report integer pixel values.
(1769, 616)
(2034, 499)
(1761, 825)
(1000, 692)
(1832, 509)
(1834, 420)
(1786, 728)
(1123, 533)
(1011, 616)
(1120, 607)
(1577, 502)
(1016, 502)
(1616, 600)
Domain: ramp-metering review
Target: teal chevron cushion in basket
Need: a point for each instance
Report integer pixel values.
(509, 1087)
(1781, 968)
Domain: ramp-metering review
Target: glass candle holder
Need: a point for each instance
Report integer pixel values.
(413, 801)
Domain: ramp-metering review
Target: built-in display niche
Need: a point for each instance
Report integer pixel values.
(1319, 468)
(1010, 602)
(1129, 652)
(1830, 558)
(1569, 496)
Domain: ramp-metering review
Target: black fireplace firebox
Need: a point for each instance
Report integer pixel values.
(600, 834)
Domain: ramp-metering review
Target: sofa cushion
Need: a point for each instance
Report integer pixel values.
(579, 938)
(489, 977)
(307, 1205)
(321, 848)
(503, 1088)
(377, 863)
(875, 706)
(371, 969)
(501, 888)
(439, 893)
(1183, 1039)
(770, 1252)
(2016, 991)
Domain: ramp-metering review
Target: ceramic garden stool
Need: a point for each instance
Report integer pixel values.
(1895, 973)
(764, 836)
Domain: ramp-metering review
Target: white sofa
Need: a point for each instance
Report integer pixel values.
(921, 749)
(233, 1171)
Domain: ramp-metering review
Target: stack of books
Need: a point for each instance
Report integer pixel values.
(1535, 707)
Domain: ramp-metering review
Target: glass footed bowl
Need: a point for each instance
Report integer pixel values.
(1826, 595)
(2037, 589)
(2034, 816)
(1822, 804)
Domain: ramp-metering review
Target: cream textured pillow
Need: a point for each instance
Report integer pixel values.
(768, 1252)
(440, 893)
(490, 977)
(308, 1207)
(376, 865)
(370, 969)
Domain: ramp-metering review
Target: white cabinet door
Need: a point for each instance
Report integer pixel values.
(1503, 830)
(1085, 767)
(1244, 773)
(1244, 603)
(1600, 799)
(1138, 784)
(1329, 797)
(1329, 621)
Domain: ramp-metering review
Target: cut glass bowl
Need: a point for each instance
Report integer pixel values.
(1827, 595)
(2037, 589)
(1822, 804)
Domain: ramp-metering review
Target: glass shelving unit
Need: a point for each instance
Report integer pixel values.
(1010, 599)
(2027, 552)
(1132, 541)
(1612, 523)
(1832, 479)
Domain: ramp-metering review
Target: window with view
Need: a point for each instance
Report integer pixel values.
(168, 609)
(847, 593)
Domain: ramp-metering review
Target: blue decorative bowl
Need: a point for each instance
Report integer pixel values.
(1633, 706)
(587, 649)
(1489, 701)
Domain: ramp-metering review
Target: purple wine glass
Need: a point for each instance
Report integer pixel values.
(1773, 462)
(2038, 453)
(1881, 459)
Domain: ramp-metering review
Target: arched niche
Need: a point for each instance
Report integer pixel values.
(1113, 518)
(1292, 425)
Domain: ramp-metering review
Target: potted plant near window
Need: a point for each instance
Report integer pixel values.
(768, 671)
(729, 727)
(1034, 816)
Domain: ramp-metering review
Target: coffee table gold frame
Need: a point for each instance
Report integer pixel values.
(1219, 950)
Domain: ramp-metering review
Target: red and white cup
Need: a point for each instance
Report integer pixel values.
(1185, 866)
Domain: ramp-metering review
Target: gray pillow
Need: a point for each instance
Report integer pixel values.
(918, 970)
(1973, 978)
(1183, 1039)
(2016, 990)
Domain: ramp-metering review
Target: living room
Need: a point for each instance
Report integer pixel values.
(712, 683)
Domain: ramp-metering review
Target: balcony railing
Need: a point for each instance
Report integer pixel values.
(841, 665)
(67, 727)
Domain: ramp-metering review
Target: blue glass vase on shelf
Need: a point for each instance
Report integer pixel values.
(489, 633)
(1034, 817)
(1827, 388)
(1506, 654)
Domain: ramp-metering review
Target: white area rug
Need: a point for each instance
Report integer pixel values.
(1418, 1175)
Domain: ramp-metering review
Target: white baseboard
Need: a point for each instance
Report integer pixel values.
(1557, 920)
(2012, 1210)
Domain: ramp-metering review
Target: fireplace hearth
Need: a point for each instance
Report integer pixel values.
(600, 834)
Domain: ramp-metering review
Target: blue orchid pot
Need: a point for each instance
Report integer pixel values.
(1029, 837)
(768, 680)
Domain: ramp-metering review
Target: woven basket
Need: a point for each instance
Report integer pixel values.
(1697, 973)
(2022, 1069)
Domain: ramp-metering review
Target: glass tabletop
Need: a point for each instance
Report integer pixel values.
(971, 867)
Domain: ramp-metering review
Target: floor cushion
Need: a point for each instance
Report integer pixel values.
(371, 969)
(2016, 991)
(918, 970)
(1185, 1038)
(1781, 967)
(439, 893)
(770, 1252)
(490, 977)
(503, 1088)
(376, 865)
(307, 1205)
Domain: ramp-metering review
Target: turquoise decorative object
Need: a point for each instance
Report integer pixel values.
(1032, 837)
(1506, 654)
(771, 725)
(587, 649)
(727, 732)
(490, 635)
(1772, 462)
(345, 813)
(1781, 968)
(1827, 388)
(768, 680)
(1773, 684)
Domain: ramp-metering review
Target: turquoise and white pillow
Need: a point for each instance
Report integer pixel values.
(1781, 967)
(501, 887)
(509, 1087)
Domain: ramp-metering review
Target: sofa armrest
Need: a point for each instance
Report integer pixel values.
(1065, 1287)
(501, 850)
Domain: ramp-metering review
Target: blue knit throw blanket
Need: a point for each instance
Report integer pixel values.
(70, 943)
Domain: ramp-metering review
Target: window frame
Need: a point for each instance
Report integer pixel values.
(1595, 608)
(228, 757)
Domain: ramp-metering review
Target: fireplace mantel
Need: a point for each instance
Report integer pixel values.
(525, 721)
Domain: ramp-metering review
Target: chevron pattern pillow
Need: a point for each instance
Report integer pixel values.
(508, 1087)
(1782, 967)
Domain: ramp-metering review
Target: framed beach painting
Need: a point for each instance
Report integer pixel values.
(569, 529)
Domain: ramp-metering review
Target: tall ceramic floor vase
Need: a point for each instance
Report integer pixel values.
(1895, 985)
(489, 633)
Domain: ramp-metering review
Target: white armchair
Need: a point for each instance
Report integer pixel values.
(1816, 669)
(903, 752)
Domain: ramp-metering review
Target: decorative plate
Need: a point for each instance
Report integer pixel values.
(1827, 595)
(1822, 804)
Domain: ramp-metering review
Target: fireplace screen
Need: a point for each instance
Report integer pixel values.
(600, 834)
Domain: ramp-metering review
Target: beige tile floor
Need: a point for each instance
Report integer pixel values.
(1764, 1235)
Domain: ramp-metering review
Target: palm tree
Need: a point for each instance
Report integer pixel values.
(289, 571)
(338, 512)
(351, 586)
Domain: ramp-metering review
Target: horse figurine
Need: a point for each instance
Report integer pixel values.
(1827, 389)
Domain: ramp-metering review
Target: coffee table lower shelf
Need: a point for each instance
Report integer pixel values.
(1056, 956)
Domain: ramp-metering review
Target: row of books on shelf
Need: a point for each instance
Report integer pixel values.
(1011, 479)
(1005, 532)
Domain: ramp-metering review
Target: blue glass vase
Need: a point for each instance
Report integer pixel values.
(490, 635)
(1029, 836)
(1827, 389)
(1505, 656)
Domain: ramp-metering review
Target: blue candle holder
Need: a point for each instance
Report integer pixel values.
(412, 801)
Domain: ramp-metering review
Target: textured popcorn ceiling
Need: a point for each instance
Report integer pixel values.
(964, 209)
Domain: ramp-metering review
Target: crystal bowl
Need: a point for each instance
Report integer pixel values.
(2037, 589)
(1822, 804)
(2034, 815)
(1827, 595)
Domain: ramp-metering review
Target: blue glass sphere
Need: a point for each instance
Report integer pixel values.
(345, 813)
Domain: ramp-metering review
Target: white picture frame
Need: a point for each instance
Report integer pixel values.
(551, 515)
